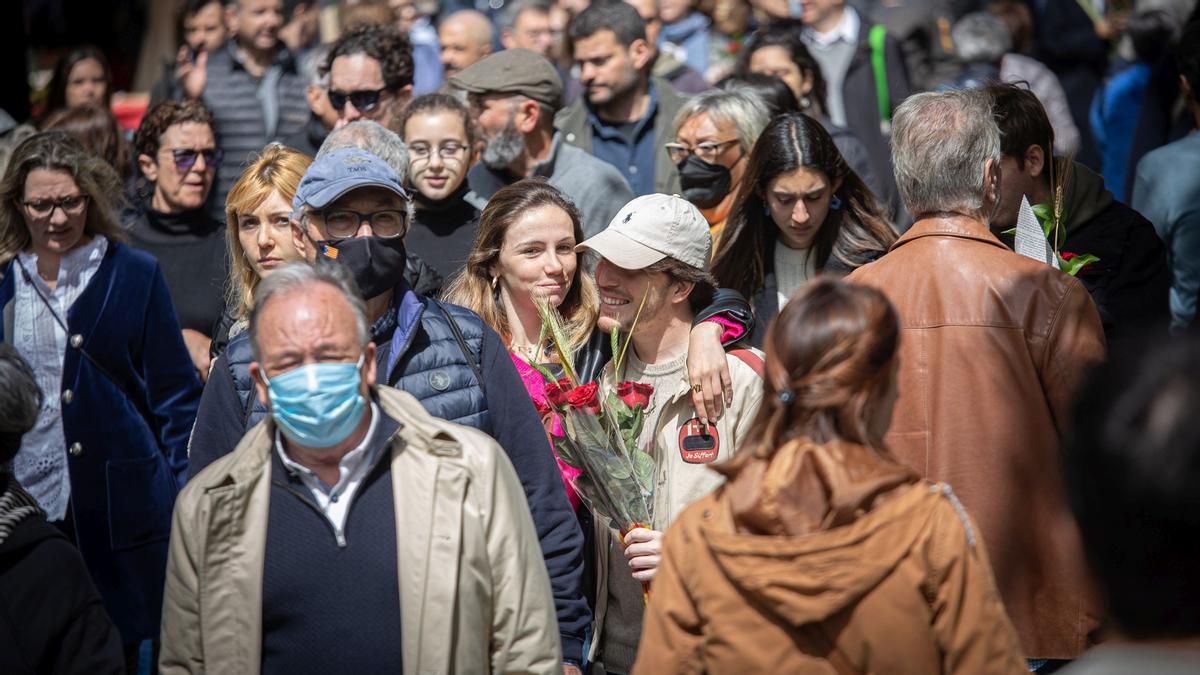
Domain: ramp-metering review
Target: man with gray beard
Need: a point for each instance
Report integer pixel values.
(514, 95)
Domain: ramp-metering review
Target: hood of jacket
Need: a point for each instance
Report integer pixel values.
(1084, 195)
(838, 519)
(17, 508)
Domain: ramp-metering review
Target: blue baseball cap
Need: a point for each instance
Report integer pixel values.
(337, 173)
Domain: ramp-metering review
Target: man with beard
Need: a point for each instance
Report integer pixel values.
(625, 115)
(252, 87)
(514, 96)
(350, 209)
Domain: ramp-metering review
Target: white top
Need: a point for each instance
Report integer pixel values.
(41, 463)
(845, 31)
(793, 268)
(335, 501)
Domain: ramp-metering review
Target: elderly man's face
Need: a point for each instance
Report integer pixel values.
(464, 41)
(365, 212)
(314, 324)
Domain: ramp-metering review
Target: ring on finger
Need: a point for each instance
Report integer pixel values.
(697, 387)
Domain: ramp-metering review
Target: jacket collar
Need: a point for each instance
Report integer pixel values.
(949, 225)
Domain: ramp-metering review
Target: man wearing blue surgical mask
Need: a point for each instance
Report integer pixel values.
(351, 212)
(344, 485)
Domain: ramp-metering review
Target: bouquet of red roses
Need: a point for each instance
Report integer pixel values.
(600, 425)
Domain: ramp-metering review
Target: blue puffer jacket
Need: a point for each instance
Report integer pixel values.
(472, 383)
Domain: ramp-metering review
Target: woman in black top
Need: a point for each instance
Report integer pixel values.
(439, 134)
(178, 157)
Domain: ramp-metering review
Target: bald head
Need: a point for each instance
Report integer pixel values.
(466, 37)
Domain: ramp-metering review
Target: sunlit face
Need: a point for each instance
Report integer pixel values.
(799, 201)
(359, 72)
(701, 130)
(438, 152)
(775, 61)
(257, 22)
(621, 293)
(55, 211)
(462, 45)
(607, 69)
(205, 30)
(537, 259)
(85, 84)
(266, 235)
(175, 190)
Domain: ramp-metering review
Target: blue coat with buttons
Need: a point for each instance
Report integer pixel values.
(126, 439)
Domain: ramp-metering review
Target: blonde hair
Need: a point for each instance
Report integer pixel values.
(278, 169)
(472, 286)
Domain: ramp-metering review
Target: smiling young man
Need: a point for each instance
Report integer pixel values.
(654, 256)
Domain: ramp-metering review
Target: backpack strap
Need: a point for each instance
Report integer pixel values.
(750, 359)
(472, 360)
(876, 38)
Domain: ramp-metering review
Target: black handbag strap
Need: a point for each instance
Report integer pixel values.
(472, 360)
(61, 322)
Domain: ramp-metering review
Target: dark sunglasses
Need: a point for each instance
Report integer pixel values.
(364, 100)
(185, 158)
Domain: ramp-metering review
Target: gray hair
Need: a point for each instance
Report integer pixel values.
(372, 137)
(981, 37)
(298, 276)
(740, 106)
(20, 401)
(941, 143)
(309, 67)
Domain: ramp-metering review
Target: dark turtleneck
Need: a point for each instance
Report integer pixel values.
(444, 230)
(190, 248)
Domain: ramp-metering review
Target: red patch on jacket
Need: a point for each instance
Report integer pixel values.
(698, 443)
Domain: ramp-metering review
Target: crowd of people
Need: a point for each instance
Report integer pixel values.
(277, 364)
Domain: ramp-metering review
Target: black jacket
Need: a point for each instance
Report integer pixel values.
(51, 617)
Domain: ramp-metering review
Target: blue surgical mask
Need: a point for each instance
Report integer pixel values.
(317, 405)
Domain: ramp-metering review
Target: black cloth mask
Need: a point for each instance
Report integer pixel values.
(377, 264)
(704, 184)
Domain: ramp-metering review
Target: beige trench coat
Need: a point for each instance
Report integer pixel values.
(471, 573)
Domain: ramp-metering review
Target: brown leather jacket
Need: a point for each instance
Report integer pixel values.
(992, 346)
(825, 559)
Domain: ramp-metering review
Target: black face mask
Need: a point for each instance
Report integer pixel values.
(704, 184)
(377, 264)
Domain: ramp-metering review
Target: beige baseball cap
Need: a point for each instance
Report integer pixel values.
(653, 227)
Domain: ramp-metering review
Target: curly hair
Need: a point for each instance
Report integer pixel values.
(162, 117)
(385, 44)
(57, 151)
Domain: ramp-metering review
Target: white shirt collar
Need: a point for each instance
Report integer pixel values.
(72, 264)
(846, 30)
(351, 469)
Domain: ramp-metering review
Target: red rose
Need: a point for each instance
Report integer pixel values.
(556, 393)
(634, 394)
(543, 408)
(585, 398)
(1067, 255)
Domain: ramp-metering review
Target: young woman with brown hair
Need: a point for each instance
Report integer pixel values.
(800, 211)
(821, 551)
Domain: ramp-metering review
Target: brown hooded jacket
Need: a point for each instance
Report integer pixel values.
(825, 559)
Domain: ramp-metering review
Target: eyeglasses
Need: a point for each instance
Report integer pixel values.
(445, 150)
(44, 208)
(185, 158)
(364, 100)
(707, 151)
(342, 224)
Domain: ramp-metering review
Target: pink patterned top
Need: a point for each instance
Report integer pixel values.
(535, 384)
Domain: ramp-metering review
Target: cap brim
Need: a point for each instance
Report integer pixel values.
(621, 251)
(334, 189)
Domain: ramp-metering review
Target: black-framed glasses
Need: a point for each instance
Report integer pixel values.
(448, 150)
(707, 151)
(185, 158)
(44, 208)
(364, 100)
(343, 224)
